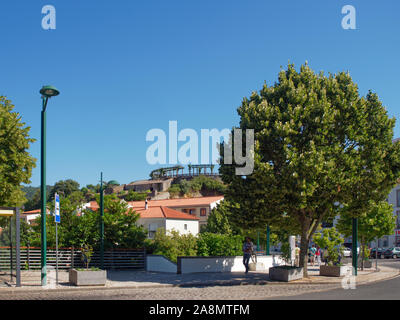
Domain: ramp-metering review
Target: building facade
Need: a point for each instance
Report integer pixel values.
(198, 207)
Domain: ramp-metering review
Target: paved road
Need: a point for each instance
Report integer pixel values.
(383, 290)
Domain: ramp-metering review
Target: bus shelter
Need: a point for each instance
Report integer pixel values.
(14, 216)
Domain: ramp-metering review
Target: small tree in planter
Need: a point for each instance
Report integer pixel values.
(332, 242)
(87, 252)
(377, 220)
(287, 272)
(87, 277)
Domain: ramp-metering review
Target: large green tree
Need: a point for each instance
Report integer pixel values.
(15, 161)
(318, 143)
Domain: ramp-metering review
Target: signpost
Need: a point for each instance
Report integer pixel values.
(57, 220)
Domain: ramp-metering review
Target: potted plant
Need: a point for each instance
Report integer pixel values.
(332, 242)
(87, 276)
(287, 272)
(364, 261)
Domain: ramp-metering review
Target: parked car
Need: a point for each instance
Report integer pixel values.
(346, 252)
(392, 253)
(351, 251)
(379, 254)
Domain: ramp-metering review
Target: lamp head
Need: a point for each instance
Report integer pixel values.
(49, 91)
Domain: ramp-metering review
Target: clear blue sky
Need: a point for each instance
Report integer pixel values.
(125, 67)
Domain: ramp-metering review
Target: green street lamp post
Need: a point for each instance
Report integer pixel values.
(101, 223)
(268, 241)
(46, 92)
(355, 245)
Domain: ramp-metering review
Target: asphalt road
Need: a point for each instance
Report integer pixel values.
(383, 290)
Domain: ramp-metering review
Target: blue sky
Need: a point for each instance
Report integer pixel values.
(125, 67)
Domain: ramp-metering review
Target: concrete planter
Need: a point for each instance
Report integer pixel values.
(259, 266)
(333, 271)
(367, 264)
(284, 273)
(88, 277)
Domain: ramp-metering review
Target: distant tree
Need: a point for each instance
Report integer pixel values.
(219, 220)
(64, 188)
(15, 162)
(376, 222)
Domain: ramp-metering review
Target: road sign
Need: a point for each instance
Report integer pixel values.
(57, 208)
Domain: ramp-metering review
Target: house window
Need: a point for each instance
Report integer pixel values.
(185, 226)
(398, 198)
(189, 211)
(398, 220)
(203, 212)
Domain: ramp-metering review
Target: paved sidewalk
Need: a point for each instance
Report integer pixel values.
(142, 279)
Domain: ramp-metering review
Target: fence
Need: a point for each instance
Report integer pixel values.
(72, 258)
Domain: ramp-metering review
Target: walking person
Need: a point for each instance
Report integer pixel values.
(318, 255)
(313, 250)
(297, 255)
(247, 252)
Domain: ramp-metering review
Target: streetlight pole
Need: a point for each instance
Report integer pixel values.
(355, 245)
(101, 223)
(46, 92)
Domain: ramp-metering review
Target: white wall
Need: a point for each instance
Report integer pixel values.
(150, 224)
(158, 263)
(223, 264)
(192, 226)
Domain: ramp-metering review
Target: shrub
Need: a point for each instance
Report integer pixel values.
(211, 244)
(173, 244)
(174, 190)
(135, 196)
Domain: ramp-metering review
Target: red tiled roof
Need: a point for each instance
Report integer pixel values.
(182, 202)
(163, 212)
(37, 211)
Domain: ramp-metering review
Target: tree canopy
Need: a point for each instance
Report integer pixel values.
(318, 143)
(15, 161)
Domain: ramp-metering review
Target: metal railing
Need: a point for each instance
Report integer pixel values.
(72, 258)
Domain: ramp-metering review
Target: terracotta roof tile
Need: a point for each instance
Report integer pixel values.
(182, 202)
(163, 212)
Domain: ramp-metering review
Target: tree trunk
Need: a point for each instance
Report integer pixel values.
(308, 227)
(304, 245)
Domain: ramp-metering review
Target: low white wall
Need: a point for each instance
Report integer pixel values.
(192, 226)
(159, 263)
(223, 264)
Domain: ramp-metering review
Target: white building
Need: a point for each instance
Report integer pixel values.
(31, 216)
(200, 207)
(156, 217)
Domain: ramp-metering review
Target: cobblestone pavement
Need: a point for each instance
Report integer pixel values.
(125, 285)
(242, 292)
